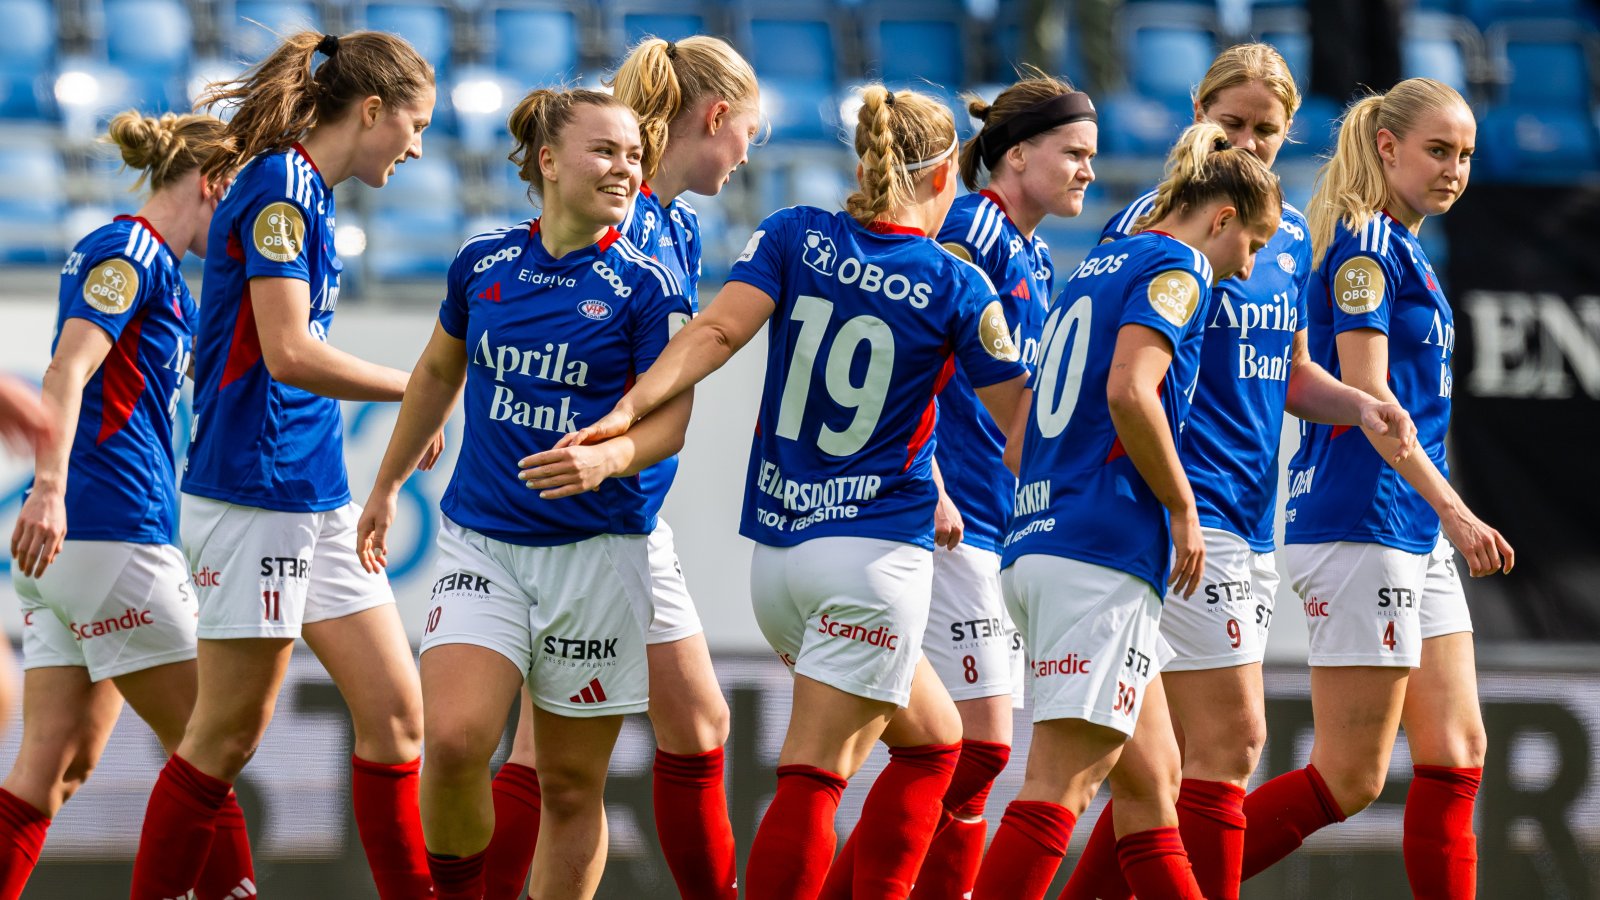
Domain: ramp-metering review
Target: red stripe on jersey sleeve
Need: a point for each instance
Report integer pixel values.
(930, 413)
(244, 351)
(121, 382)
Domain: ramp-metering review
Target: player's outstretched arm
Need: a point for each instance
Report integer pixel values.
(702, 347)
(430, 395)
(575, 468)
(24, 421)
(1364, 363)
(296, 358)
(42, 523)
(1138, 365)
(948, 526)
(1316, 396)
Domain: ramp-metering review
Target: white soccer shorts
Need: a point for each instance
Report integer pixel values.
(846, 611)
(108, 606)
(673, 616)
(572, 617)
(1093, 636)
(262, 573)
(1225, 622)
(971, 642)
(1371, 605)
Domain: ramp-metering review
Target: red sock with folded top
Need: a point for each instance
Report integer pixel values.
(1282, 813)
(1440, 849)
(1026, 851)
(794, 845)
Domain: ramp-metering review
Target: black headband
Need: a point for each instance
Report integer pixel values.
(1061, 109)
(329, 45)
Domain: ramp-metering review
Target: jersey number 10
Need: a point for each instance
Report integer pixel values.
(1056, 392)
(866, 398)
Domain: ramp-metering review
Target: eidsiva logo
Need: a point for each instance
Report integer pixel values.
(595, 309)
(819, 253)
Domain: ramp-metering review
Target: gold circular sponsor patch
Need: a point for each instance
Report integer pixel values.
(1174, 295)
(1358, 285)
(995, 334)
(958, 250)
(112, 286)
(280, 232)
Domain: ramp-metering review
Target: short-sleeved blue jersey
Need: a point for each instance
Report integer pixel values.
(552, 345)
(969, 443)
(121, 480)
(257, 441)
(1340, 489)
(1079, 495)
(858, 346)
(671, 235)
(1230, 443)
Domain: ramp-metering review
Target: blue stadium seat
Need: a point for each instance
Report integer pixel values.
(151, 43)
(32, 204)
(1295, 48)
(427, 25)
(1439, 58)
(251, 41)
(1166, 62)
(416, 223)
(1532, 145)
(799, 74)
(27, 59)
(1551, 72)
(1488, 12)
(637, 26)
(534, 45)
(919, 44)
(1542, 128)
(1133, 124)
(1312, 132)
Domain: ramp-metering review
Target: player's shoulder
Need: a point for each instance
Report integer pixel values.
(112, 265)
(981, 228)
(1121, 224)
(1163, 252)
(492, 240)
(681, 208)
(633, 265)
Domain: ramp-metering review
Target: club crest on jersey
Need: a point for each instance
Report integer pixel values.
(994, 333)
(1358, 285)
(1174, 294)
(595, 309)
(112, 287)
(958, 250)
(279, 232)
(819, 253)
(1286, 263)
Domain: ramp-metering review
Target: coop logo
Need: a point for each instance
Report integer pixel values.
(876, 637)
(612, 278)
(501, 255)
(595, 309)
(1294, 229)
(819, 253)
(111, 287)
(133, 618)
(280, 232)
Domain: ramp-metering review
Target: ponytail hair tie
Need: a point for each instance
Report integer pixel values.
(672, 50)
(888, 98)
(329, 45)
(1220, 144)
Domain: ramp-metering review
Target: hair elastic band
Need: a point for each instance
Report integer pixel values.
(329, 45)
(672, 49)
(1061, 109)
(955, 144)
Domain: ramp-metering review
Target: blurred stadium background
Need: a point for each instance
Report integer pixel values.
(1518, 253)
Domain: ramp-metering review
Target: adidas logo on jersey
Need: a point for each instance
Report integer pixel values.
(491, 293)
(593, 693)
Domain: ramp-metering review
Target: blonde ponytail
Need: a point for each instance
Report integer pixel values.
(167, 148)
(1202, 167)
(1351, 186)
(894, 131)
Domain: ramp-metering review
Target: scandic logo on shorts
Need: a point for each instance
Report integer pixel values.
(207, 577)
(877, 637)
(129, 620)
(1071, 664)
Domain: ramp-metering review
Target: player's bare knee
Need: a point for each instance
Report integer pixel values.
(568, 791)
(1354, 787)
(694, 729)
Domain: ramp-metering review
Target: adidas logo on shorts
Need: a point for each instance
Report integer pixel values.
(594, 693)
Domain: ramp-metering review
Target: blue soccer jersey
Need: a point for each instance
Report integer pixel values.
(1079, 495)
(552, 345)
(969, 443)
(1230, 443)
(257, 441)
(1340, 489)
(865, 323)
(121, 481)
(671, 235)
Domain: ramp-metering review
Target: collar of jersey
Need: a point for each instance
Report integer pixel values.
(995, 199)
(310, 162)
(148, 227)
(881, 227)
(595, 249)
(1168, 236)
(644, 188)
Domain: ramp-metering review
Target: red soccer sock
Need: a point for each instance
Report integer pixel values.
(1098, 874)
(794, 844)
(1156, 866)
(516, 832)
(229, 871)
(1211, 820)
(691, 806)
(898, 819)
(1026, 851)
(1281, 814)
(22, 831)
(456, 877)
(179, 823)
(840, 883)
(1440, 849)
(951, 865)
(390, 823)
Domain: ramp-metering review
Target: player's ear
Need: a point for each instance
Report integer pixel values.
(1221, 218)
(941, 177)
(717, 116)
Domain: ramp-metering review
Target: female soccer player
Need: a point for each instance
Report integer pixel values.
(1087, 557)
(1391, 638)
(865, 309)
(698, 107)
(267, 511)
(551, 593)
(1037, 142)
(1254, 363)
(107, 608)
